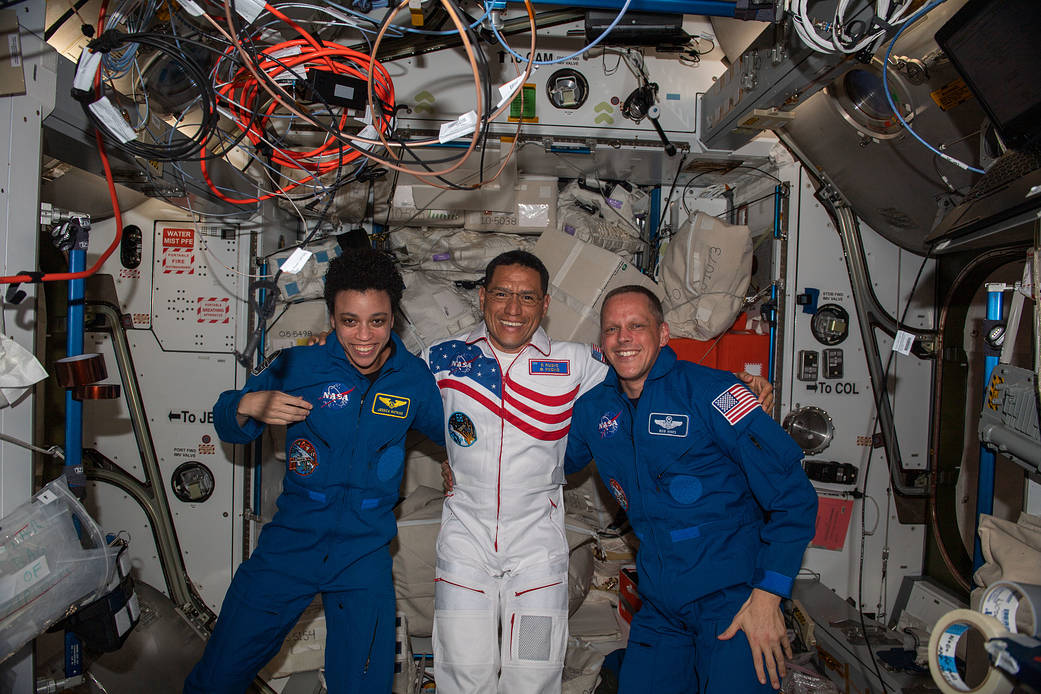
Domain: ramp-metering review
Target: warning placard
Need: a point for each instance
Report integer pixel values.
(178, 254)
(213, 309)
(833, 516)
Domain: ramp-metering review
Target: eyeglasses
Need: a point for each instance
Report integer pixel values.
(501, 296)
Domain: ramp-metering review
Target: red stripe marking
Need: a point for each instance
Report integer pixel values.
(544, 417)
(542, 399)
(548, 585)
(553, 502)
(458, 585)
(513, 419)
(742, 409)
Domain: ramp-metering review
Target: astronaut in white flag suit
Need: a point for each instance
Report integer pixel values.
(502, 555)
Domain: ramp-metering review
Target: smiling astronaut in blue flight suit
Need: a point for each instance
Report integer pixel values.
(716, 495)
(348, 405)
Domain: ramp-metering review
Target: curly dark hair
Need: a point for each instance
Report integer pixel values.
(362, 269)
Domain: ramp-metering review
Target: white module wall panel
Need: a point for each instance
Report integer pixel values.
(194, 286)
(439, 87)
(843, 390)
(185, 303)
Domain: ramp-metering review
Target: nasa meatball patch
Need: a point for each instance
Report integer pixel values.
(336, 396)
(608, 425)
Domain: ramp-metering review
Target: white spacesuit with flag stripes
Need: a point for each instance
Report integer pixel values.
(502, 556)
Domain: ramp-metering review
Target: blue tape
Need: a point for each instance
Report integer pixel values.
(685, 533)
(775, 583)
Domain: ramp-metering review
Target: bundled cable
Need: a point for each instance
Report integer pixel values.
(842, 34)
(252, 112)
(112, 124)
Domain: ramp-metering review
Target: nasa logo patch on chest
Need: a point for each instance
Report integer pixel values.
(460, 365)
(664, 424)
(336, 396)
(608, 425)
(303, 458)
(619, 493)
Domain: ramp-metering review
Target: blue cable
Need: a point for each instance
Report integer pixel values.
(889, 97)
(448, 32)
(577, 53)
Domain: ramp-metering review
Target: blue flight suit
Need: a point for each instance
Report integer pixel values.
(717, 497)
(334, 521)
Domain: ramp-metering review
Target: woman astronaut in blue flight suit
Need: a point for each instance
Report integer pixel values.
(348, 405)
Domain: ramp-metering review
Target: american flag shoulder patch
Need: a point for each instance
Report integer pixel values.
(735, 403)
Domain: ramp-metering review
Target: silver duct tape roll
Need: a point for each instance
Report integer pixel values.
(1015, 605)
(80, 370)
(943, 647)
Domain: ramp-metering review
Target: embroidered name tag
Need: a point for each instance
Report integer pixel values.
(549, 367)
(663, 424)
(390, 405)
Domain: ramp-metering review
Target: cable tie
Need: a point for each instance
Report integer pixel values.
(107, 42)
(14, 295)
(878, 22)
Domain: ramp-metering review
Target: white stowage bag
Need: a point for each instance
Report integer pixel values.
(454, 250)
(53, 558)
(434, 309)
(608, 222)
(705, 271)
(309, 282)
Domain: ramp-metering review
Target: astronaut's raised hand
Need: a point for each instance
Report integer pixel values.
(272, 407)
(318, 339)
(764, 391)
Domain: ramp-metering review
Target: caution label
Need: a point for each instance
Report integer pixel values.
(178, 254)
(951, 94)
(213, 309)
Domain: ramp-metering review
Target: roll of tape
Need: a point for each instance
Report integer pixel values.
(95, 391)
(1014, 605)
(80, 370)
(943, 645)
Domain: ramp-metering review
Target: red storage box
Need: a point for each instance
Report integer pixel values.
(629, 602)
(735, 350)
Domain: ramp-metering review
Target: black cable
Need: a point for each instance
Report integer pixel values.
(867, 469)
(112, 40)
(686, 186)
(60, 21)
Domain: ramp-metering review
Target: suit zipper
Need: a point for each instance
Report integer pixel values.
(636, 476)
(372, 643)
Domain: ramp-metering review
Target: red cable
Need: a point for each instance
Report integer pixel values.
(58, 276)
(242, 91)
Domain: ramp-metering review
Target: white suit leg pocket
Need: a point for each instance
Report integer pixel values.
(464, 619)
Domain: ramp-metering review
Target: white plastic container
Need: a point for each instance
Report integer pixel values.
(49, 564)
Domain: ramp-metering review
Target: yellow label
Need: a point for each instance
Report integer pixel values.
(390, 405)
(951, 94)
